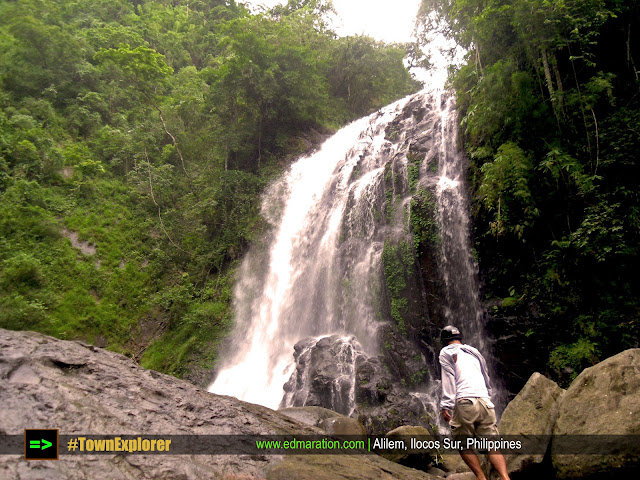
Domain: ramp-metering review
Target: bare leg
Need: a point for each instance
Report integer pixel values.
(473, 462)
(499, 463)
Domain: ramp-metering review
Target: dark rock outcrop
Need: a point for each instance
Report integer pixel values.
(513, 348)
(80, 389)
(333, 372)
(325, 370)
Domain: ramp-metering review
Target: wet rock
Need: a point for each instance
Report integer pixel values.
(325, 374)
(333, 372)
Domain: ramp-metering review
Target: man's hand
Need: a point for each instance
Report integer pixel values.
(446, 414)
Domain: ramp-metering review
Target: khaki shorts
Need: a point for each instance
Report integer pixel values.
(472, 417)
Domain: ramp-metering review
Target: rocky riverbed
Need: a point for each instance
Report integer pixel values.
(81, 389)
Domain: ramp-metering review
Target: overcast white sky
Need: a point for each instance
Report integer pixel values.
(389, 21)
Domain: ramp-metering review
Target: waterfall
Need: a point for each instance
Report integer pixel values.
(461, 302)
(309, 279)
(317, 277)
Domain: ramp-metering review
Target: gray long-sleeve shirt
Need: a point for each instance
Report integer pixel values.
(464, 375)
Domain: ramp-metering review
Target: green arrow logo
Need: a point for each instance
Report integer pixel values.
(35, 444)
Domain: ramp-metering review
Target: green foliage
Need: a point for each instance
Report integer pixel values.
(135, 141)
(203, 323)
(504, 191)
(413, 171)
(574, 358)
(423, 220)
(141, 67)
(549, 103)
(366, 74)
(397, 262)
(21, 273)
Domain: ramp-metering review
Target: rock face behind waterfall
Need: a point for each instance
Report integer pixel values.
(79, 389)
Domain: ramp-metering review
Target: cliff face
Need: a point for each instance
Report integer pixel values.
(80, 389)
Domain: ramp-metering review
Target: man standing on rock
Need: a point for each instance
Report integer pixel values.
(466, 391)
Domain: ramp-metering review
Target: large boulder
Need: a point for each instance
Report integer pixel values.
(531, 414)
(603, 401)
(324, 374)
(80, 389)
(420, 459)
(343, 426)
(334, 373)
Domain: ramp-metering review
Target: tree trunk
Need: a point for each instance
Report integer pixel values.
(560, 91)
(547, 76)
(175, 144)
(478, 61)
(630, 61)
(584, 117)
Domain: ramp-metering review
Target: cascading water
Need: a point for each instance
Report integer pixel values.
(461, 304)
(318, 276)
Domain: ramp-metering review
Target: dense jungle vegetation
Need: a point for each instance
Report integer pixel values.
(144, 131)
(549, 98)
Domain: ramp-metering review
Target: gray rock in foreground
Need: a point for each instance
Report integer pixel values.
(532, 413)
(49, 383)
(602, 400)
(309, 415)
